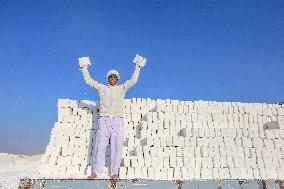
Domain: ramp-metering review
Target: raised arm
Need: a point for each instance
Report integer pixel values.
(139, 62)
(130, 82)
(84, 62)
(88, 79)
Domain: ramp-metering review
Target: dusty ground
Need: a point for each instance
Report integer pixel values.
(14, 167)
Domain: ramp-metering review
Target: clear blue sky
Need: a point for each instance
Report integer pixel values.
(196, 50)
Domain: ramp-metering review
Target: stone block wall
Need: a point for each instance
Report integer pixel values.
(168, 139)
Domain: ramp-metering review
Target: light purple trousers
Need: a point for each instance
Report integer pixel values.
(108, 128)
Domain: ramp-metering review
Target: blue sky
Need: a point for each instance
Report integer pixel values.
(196, 50)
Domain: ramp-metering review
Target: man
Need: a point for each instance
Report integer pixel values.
(111, 111)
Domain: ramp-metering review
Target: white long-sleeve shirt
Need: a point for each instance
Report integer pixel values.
(111, 97)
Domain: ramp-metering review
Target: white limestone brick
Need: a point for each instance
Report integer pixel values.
(182, 134)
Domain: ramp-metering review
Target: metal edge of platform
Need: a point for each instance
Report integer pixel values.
(28, 183)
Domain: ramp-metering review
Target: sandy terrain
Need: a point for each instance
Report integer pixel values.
(14, 167)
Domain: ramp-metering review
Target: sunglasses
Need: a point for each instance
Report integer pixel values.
(113, 75)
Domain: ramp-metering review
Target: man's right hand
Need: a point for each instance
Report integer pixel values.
(139, 60)
(84, 62)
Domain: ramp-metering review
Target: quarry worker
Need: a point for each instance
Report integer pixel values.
(111, 112)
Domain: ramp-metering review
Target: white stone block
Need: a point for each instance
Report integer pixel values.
(184, 173)
(179, 162)
(130, 173)
(215, 172)
(186, 142)
(153, 151)
(141, 161)
(144, 173)
(257, 142)
(172, 151)
(166, 152)
(204, 151)
(179, 151)
(206, 174)
(191, 162)
(271, 173)
(207, 162)
(177, 173)
(137, 172)
(246, 142)
(234, 173)
(268, 143)
(166, 162)
(160, 162)
(157, 173)
(197, 174)
(223, 162)
(172, 161)
(151, 173)
(224, 173)
(263, 175)
(280, 173)
(175, 141)
(164, 174)
(150, 141)
(169, 140)
(148, 161)
(163, 142)
(170, 173)
(122, 172)
(197, 152)
(126, 161)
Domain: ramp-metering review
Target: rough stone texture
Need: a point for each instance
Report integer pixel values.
(172, 139)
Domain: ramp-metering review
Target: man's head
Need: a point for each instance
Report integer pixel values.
(112, 77)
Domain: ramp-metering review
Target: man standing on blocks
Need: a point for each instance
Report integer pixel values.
(111, 111)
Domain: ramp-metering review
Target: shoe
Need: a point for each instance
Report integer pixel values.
(114, 176)
(93, 176)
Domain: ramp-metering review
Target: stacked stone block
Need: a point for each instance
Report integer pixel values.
(174, 139)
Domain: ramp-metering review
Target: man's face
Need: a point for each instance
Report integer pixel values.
(112, 80)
